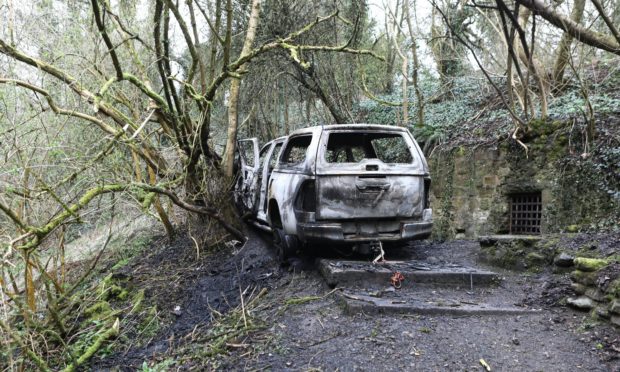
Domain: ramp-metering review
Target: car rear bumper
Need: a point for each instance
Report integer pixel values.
(337, 232)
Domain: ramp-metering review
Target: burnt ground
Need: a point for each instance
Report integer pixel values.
(298, 322)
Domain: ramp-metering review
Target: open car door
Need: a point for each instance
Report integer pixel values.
(246, 186)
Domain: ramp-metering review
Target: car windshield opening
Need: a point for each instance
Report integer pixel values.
(348, 147)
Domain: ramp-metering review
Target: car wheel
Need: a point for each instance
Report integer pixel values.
(285, 245)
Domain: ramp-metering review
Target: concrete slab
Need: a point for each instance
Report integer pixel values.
(356, 303)
(363, 273)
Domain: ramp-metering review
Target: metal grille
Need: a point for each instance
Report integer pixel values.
(525, 213)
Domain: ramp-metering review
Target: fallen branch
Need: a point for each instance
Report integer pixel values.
(110, 333)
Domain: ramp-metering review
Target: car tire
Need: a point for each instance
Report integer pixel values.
(284, 244)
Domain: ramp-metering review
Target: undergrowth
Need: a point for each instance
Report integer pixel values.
(92, 314)
(471, 108)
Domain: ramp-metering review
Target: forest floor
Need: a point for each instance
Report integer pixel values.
(290, 319)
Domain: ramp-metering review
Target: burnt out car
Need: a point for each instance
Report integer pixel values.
(354, 185)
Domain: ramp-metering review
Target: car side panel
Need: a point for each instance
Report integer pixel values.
(286, 181)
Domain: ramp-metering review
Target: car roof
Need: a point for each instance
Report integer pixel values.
(330, 127)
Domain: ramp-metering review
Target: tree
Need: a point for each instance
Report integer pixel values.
(563, 49)
(231, 140)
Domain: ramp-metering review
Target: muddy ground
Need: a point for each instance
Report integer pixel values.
(295, 321)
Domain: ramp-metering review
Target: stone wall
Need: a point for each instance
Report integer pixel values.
(472, 188)
(591, 261)
(597, 286)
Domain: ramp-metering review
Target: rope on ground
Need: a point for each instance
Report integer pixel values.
(397, 279)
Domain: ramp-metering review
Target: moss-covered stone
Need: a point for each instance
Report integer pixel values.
(613, 289)
(572, 228)
(590, 264)
(578, 288)
(588, 251)
(518, 252)
(583, 277)
(595, 294)
(536, 261)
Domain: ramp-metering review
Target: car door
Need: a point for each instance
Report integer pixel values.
(369, 173)
(267, 165)
(247, 184)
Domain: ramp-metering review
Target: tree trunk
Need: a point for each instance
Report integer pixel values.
(416, 66)
(388, 86)
(563, 50)
(287, 124)
(229, 153)
(534, 66)
(404, 70)
(203, 79)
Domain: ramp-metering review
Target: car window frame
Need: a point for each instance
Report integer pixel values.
(285, 152)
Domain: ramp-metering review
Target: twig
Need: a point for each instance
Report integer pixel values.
(245, 321)
(337, 334)
(34, 357)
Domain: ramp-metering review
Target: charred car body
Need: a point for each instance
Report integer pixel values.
(359, 185)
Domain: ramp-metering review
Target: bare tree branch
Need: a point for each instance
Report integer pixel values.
(608, 22)
(106, 39)
(585, 35)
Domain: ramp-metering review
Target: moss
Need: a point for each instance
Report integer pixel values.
(137, 300)
(109, 288)
(549, 244)
(562, 140)
(120, 264)
(590, 264)
(99, 310)
(114, 291)
(572, 228)
(525, 242)
(613, 290)
(535, 261)
(425, 330)
(588, 251)
(519, 253)
(556, 151)
(583, 277)
(557, 124)
(149, 326)
(442, 228)
(301, 300)
(148, 200)
(123, 295)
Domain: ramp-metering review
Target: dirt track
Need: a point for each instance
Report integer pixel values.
(304, 326)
